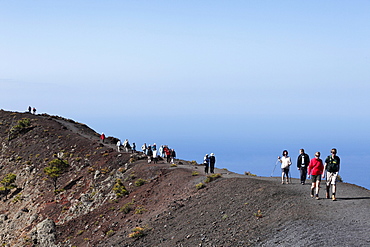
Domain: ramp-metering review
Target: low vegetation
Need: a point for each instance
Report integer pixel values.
(119, 188)
(55, 169)
(8, 183)
(212, 177)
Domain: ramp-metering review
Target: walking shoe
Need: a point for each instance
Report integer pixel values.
(317, 198)
(333, 198)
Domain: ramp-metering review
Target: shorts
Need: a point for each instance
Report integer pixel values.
(285, 170)
(331, 178)
(315, 178)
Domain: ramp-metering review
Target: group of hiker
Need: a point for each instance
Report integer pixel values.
(126, 146)
(31, 110)
(150, 151)
(163, 152)
(209, 163)
(314, 169)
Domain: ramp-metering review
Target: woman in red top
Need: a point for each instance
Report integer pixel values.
(315, 169)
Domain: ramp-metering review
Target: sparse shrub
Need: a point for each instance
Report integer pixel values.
(55, 169)
(132, 160)
(339, 178)
(250, 174)
(109, 233)
(127, 207)
(258, 214)
(212, 177)
(193, 162)
(18, 198)
(104, 170)
(200, 186)
(140, 182)
(195, 173)
(8, 183)
(140, 210)
(119, 188)
(21, 127)
(138, 232)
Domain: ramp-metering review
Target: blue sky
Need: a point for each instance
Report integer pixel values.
(179, 71)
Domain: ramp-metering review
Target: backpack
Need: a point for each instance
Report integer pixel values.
(332, 164)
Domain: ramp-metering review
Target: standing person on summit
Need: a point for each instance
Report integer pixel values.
(315, 169)
(144, 148)
(168, 154)
(302, 164)
(173, 156)
(332, 165)
(212, 162)
(206, 163)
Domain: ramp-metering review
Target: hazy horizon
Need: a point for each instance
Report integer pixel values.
(255, 77)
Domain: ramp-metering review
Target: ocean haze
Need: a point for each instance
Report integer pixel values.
(250, 145)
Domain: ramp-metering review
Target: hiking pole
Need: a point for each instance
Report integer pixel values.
(290, 177)
(274, 168)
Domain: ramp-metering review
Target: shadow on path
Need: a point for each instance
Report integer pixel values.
(353, 198)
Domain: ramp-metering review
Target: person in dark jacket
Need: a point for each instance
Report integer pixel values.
(212, 161)
(206, 163)
(173, 156)
(302, 164)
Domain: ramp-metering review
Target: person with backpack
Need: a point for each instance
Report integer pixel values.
(212, 162)
(315, 170)
(285, 164)
(303, 161)
(332, 165)
(206, 163)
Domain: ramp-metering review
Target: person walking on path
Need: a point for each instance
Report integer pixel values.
(285, 164)
(332, 165)
(206, 163)
(212, 162)
(315, 170)
(29, 109)
(119, 146)
(34, 111)
(303, 161)
(133, 147)
(102, 137)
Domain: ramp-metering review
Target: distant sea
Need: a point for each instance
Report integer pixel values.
(254, 148)
(262, 161)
